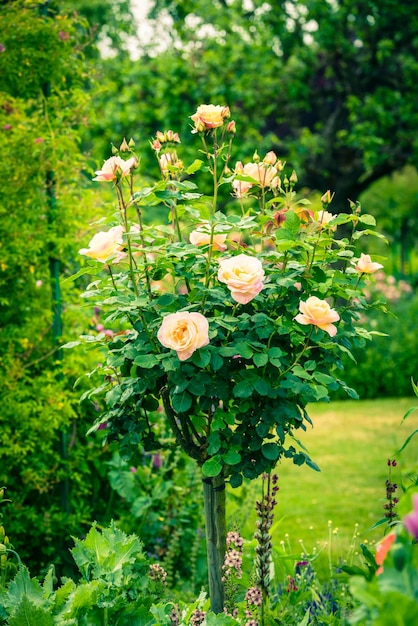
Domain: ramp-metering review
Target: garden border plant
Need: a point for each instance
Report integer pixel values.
(221, 326)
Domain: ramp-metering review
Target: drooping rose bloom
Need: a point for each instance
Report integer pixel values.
(209, 116)
(104, 245)
(200, 237)
(184, 332)
(366, 266)
(243, 276)
(114, 166)
(319, 313)
(264, 175)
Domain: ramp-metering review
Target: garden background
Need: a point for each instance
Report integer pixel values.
(331, 87)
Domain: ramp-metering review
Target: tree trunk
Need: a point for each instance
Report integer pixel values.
(214, 501)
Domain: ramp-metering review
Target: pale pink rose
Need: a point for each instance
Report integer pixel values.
(319, 313)
(201, 237)
(270, 158)
(184, 332)
(243, 275)
(209, 116)
(366, 266)
(324, 218)
(264, 175)
(113, 167)
(105, 245)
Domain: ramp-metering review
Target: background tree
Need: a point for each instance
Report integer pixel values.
(43, 103)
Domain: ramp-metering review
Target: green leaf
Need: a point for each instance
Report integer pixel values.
(369, 220)
(28, 614)
(212, 467)
(231, 457)
(235, 480)
(195, 166)
(243, 389)
(146, 361)
(260, 359)
(270, 451)
(182, 402)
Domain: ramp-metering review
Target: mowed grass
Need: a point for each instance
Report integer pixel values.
(351, 442)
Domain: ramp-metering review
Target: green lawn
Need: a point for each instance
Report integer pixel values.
(351, 442)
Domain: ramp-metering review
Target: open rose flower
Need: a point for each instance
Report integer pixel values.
(366, 266)
(184, 332)
(319, 313)
(324, 218)
(243, 275)
(264, 175)
(209, 116)
(201, 237)
(105, 245)
(114, 167)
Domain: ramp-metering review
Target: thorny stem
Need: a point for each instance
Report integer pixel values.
(141, 235)
(123, 211)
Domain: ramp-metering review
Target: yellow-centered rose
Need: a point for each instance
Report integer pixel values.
(264, 174)
(243, 275)
(319, 313)
(184, 332)
(366, 266)
(209, 116)
(105, 245)
(201, 237)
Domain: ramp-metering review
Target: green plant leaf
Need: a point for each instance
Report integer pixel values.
(182, 402)
(212, 467)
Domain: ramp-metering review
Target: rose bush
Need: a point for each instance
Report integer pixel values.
(227, 323)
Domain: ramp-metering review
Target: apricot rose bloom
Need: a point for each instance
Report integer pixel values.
(114, 167)
(324, 218)
(319, 313)
(264, 175)
(243, 276)
(209, 116)
(201, 237)
(105, 245)
(366, 266)
(184, 332)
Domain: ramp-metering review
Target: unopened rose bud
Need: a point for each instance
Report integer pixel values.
(326, 199)
(256, 158)
(176, 138)
(293, 178)
(131, 143)
(160, 136)
(124, 147)
(156, 145)
(114, 149)
(270, 158)
(169, 135)
(3, 549)
(239, 168)
(231, 128)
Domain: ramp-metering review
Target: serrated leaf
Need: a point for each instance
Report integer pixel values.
(28, 614)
